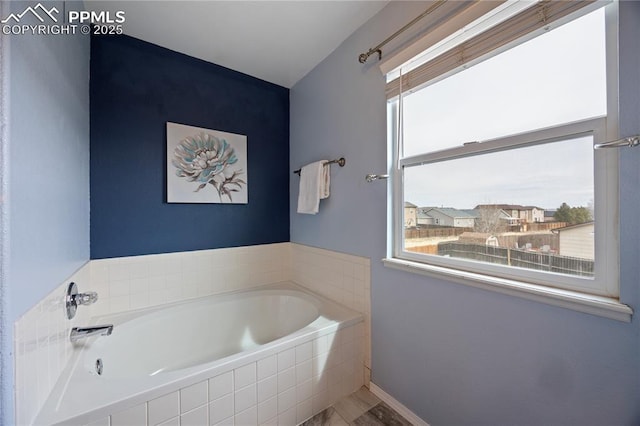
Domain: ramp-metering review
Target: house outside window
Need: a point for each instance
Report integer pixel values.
(499, 141)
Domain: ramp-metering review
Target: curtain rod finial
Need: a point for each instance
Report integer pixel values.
(364, 56)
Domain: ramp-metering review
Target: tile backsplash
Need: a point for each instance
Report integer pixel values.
(136, 282)
(340, 277)
(42, 348)
(42, 345)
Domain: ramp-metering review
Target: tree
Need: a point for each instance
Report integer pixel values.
(488, 220)
(572, 215)
(563, 214)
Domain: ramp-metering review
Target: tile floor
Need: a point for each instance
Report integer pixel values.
(361, 408)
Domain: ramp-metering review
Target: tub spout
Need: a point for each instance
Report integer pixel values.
(78, 333)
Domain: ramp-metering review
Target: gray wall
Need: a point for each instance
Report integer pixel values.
(46, 192)
(451, 353)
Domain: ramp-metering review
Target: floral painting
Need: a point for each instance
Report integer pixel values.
(205, 166)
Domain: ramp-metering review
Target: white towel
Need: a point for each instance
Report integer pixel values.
(314, 186)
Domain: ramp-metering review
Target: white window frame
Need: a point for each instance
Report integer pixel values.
(599, 295)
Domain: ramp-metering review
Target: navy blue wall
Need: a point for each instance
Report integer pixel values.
(136, 87)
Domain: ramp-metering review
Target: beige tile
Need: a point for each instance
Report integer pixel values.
(197, 417)
(288, 418)
(163, 408)
(100, 422)
(328, 417)
(337, 420)
(363, 394)
(245, 375)
(133, 416)
(267, 367)
(221, 385)
(303, 410)
(249, 417)
(221, 409)
(245, 398)
(193, 396)
(267, 410)
(356, 404)
(267, 388)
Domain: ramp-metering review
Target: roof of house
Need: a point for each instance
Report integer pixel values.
(507, 207)
(471, 212)
(449, 211)
(422, 213)
(409, 205)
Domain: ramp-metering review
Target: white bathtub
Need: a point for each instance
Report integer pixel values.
(157, 352)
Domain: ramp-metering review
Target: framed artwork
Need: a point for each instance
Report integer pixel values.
(205, 166)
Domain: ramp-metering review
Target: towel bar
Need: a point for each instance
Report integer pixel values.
(372, 177)
(340, 161)
(630, 142)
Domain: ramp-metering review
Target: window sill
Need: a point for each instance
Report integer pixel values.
(581, 302)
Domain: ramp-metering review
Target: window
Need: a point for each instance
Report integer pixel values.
(496, 152)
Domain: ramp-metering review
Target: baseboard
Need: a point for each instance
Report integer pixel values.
(393, 403)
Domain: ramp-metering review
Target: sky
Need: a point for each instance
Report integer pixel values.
(543, 176)
(556, 78)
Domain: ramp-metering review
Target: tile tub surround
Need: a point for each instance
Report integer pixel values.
(135, 282)
(129, 283)
(283, 388)
(340, 277)
(41, 338)
(42, 348)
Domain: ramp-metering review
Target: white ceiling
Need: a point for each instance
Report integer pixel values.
(276, 41)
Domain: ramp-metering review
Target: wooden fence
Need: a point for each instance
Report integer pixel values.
(545, 226)
(520, 258)
(433, 232)
(424, 249)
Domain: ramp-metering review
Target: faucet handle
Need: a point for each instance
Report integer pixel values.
(73, 299)
(86, 298)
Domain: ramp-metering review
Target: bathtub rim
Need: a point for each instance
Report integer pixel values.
(193, 375)
(119, 318)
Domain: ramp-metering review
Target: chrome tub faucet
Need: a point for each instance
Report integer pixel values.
(73, 299)
(78, 333)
